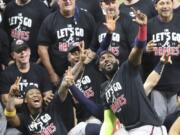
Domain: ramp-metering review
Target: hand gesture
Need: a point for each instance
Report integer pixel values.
(140, 18)
(68, 79)
(150, 46)
(166, 59)
(14, 90)
(110, 22)
(90, 55)
(48, 97)
(82, 52)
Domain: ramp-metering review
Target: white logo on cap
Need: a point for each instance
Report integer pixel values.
(19, 42)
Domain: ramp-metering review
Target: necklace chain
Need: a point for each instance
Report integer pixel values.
(35, 118)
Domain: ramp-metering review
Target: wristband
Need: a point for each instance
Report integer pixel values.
(140, 44)
(140, 41)
(10, 114)
(142, 33)
(159, 68)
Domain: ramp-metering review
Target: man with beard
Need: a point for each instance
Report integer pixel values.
(123, 94)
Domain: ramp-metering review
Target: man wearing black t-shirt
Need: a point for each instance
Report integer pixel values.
(87, 80)
(65, 27)
(123, 94)
(119, 43)
(163, 33)
(35, 119)
(145, 6)
(22, 20)
(31, 74)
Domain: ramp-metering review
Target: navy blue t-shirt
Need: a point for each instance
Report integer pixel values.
(47, 122)
(120, 44)
(145, 6)
(166, 37)
(89, 84)
(124, 94)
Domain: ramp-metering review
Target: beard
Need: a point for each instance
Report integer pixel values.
(110, 73)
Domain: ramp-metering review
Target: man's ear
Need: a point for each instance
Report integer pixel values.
(69, 57)
(117, 61)
(100, 69)
(12, 55)
(155, 6)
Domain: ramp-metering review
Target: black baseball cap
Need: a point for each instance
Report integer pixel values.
(73, 48)
(30, 87)
(18, 46)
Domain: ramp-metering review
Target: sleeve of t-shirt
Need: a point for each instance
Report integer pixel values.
(43, 9)
(5, 83)
(45, 81)
(5, 48)
(44, 35)
(5, 23)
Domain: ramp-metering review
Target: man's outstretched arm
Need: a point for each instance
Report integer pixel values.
(155, 75)
(140, 41)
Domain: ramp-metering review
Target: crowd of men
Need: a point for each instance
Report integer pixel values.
(89, 67)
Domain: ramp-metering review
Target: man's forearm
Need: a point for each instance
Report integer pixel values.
(140, 42)
(44, 56)
(62, 91)
(77, 68)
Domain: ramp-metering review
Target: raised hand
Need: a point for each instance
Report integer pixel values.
(110, 22)
(166, 59)
(48, 97)
(150, 46)
(140, 18)
(14, 90)
(82, 51)
(68, 79)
